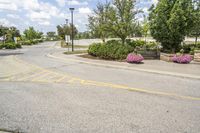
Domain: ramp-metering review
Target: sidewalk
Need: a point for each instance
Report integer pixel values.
(151, 66)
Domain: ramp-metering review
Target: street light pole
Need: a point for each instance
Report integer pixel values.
(72, 19)
(66, 22)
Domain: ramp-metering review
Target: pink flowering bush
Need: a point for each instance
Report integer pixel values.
(183, 59)
(134, 58)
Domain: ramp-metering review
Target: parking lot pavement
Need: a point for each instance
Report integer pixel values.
(59, 96)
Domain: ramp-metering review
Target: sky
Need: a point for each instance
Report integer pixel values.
(45, 15)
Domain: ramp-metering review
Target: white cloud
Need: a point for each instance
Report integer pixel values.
(45, 23)
(76, 3)
(8, 6)
(14, 16)
(84, 10)
(61, 3)
(5, 22)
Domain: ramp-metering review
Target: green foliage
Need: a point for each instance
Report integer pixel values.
(170, 22)
(10, 45)
(31, 34)
(66, 30)
(84, 35)
(9, 32)
(98, 21)
(190, 48)
(111, 51)
(31, 42)
(121, 18)
(195, 25)
(145, 27)
(116, 20)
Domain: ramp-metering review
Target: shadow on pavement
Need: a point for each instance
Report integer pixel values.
(8, 54)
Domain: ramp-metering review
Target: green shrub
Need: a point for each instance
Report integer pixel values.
(115, 50)
(113, 42)
(151, 46)
(110, 50)
(40, 40)
(190, 48)
(1, 46)
(34, 42)
(18, 45)
(10, 46)
(28, 42)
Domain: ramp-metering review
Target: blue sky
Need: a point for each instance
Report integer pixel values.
(45, 15)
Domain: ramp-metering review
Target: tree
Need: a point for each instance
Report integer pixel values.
(121, 18)
(9, 32)
(31, 34)
(137, 30)
(195, 27)
(66, 30)
(98, 21)
(169, 22)
(51, 34)
(145, 28)
(3, 30)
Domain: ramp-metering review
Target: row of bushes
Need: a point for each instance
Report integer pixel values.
(190, 48)
(10, 45)
(111, 51)
(115, 50)
(142, 44)
(31, 42)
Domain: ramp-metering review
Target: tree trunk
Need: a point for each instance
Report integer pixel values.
(196, 39)
(123, 40)
(103, 39)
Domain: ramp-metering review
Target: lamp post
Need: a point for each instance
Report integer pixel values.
(67, 20)
(72, 17)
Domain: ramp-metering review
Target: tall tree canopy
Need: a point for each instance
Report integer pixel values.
(170, 22)
(117, 20)
(195, 27)
(31, 34)
(9, 32)
(121, 18)
(66, 30)
(98, 20)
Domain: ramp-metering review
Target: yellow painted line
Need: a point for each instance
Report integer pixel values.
(41, 76)
(30, 76)
(61, 79)
(87, 82)
(103, 84)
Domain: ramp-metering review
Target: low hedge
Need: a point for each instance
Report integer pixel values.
(31, 42)
(111, 51)
(115, 50)
(10, 46)
(190, 48)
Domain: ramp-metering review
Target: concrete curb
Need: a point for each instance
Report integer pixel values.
(129, 68)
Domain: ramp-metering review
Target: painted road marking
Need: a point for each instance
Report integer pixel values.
(70, 79)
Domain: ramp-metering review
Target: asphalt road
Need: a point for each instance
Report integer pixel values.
(39, 94)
